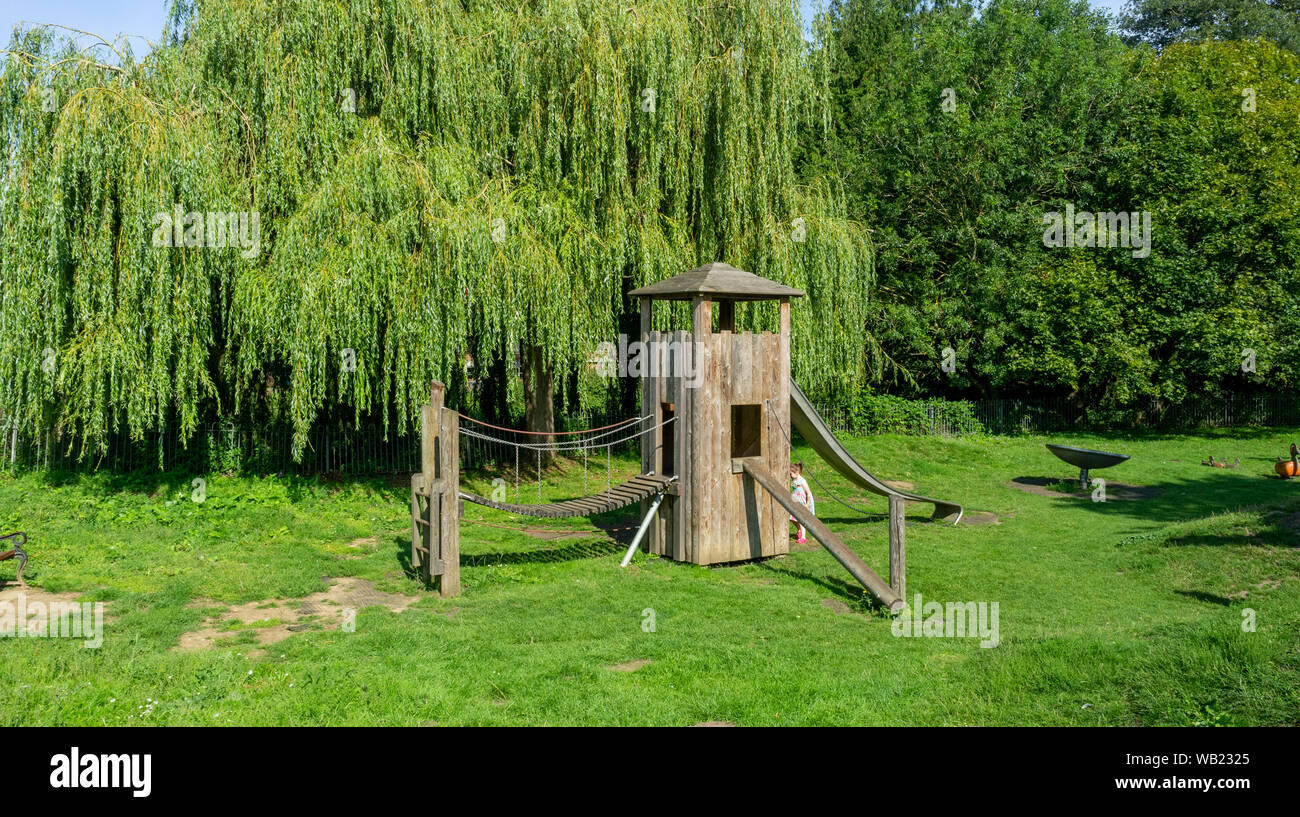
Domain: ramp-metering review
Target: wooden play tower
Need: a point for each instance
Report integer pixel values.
(729, 393)
(717, 412)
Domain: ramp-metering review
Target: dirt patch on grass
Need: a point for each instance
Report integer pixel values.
(34, 595)
(11, 591)
(1121, 491)
(274, 620)
(631, 666)
(836, 606)
(899, 485)
(980, 518)
(1267, 584)
(366, 545)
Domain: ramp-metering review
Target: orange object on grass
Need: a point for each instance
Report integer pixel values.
(1287, 469)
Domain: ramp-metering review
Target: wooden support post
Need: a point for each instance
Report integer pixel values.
(417, 490)
(897, 546)
(429, 418)
(435, 496)
(649, 400)
(649, 406)
(692, 436)
(424, 489)
(449, 498)
(701, 318)
(726, 316)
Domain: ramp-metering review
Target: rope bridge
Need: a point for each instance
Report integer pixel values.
(437, 501)
(642, 486)
(479, 445)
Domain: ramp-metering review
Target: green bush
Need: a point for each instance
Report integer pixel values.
(883, 413)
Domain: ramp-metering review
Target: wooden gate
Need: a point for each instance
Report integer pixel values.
(435, 497)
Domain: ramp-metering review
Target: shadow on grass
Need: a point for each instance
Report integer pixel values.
(617, 528)
(148, 482)
(572, 551)
(565, 553)
(1209, 598)
(1270, 536)
(913, 519)
(620, 527)
(1228, 433)
(403, 544)
(846, 591)
(109, 482)
(865, 519)
(1214, 491)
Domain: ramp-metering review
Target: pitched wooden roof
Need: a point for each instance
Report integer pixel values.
(716, 281)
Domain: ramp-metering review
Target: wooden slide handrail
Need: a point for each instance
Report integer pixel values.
(874, 585)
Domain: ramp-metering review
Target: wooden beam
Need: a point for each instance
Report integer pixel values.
(649, 406)
(874, 585)
(701, 318)
(448, 518)
(429, 418)
(897, 545)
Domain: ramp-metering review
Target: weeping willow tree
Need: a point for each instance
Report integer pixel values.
(429, 177)
(99, 330)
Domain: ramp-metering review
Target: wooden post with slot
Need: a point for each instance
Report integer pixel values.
(897, 546)
(435, 496)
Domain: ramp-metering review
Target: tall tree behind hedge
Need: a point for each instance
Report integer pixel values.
(1213, 151)
(1163, 22)
(956, 127)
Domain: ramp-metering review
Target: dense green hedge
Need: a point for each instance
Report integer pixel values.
(882, 413)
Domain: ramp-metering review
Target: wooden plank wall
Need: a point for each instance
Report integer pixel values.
(667, 535)
(710, 518)
(730, 523)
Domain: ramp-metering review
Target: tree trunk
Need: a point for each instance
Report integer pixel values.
(493, 388)
(629, 323)
(573, 400)
(539, 396)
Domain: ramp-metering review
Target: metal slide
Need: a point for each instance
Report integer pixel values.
(813, 429)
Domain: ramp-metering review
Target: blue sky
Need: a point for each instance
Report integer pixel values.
(144, 18)
(141, 18)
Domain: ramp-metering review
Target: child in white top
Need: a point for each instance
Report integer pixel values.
(803, 495)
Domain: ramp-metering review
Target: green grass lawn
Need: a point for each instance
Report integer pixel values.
(1123, 612)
